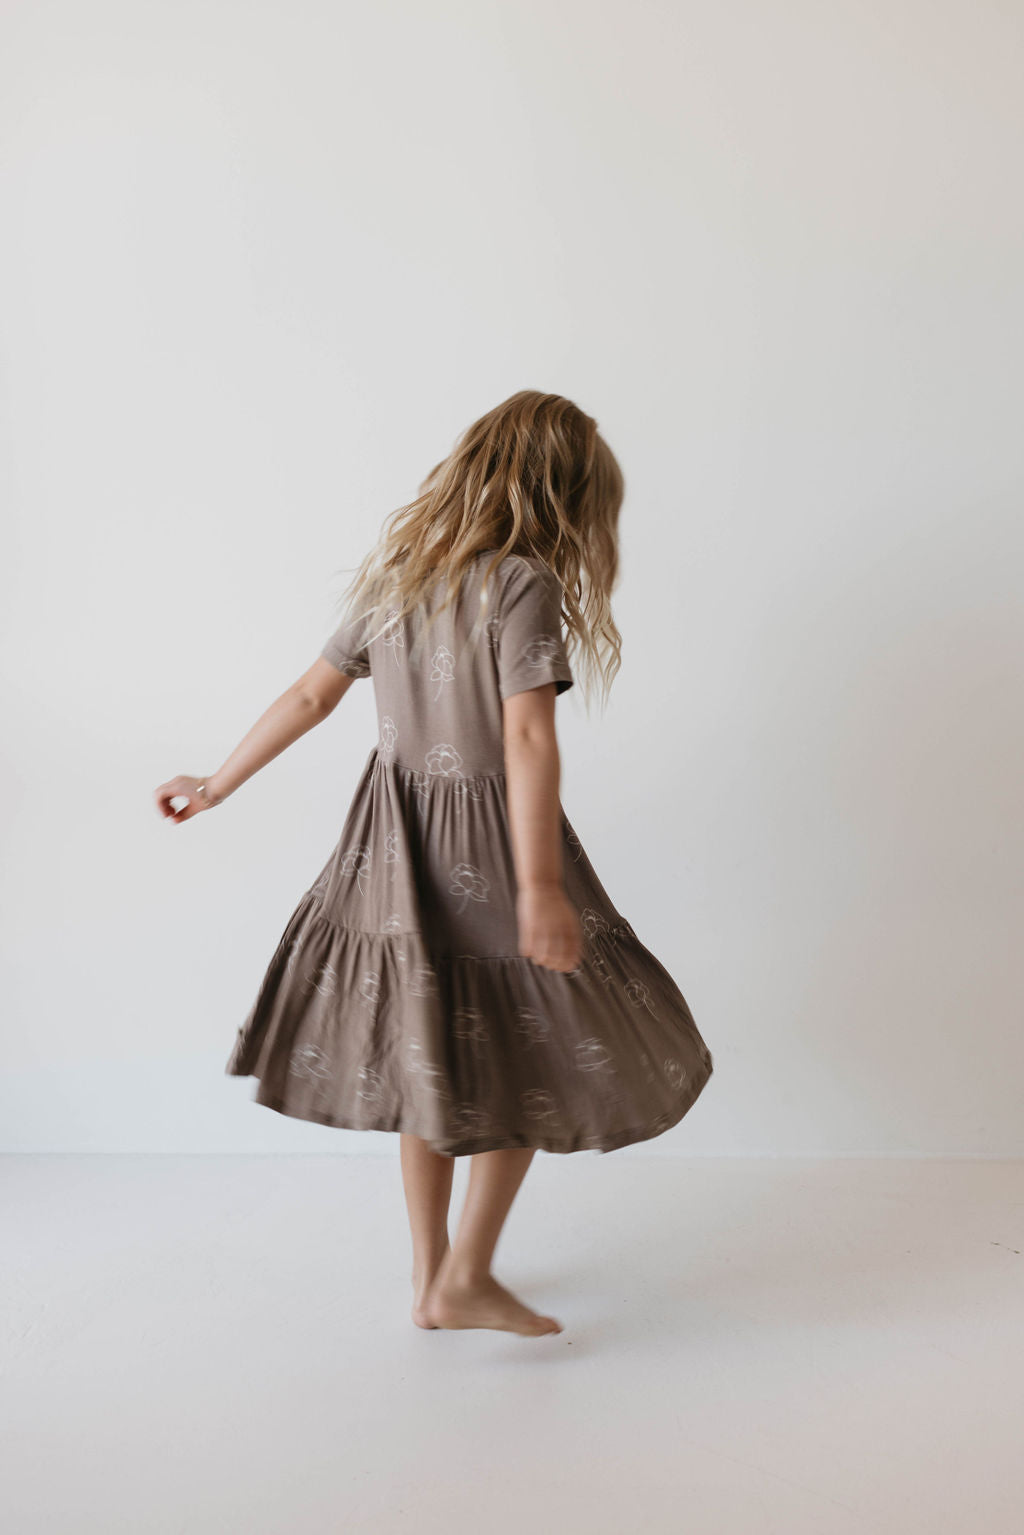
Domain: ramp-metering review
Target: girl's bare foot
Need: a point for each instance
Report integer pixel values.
(421, 1284)
(482, 1302)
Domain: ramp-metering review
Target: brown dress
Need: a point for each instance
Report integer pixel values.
(397, 998)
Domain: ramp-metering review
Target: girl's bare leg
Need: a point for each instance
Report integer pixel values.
(464, 1293)
(427, 1180)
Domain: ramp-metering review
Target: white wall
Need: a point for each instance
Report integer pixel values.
(263, 263)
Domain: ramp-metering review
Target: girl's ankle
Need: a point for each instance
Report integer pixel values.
(462, 1275)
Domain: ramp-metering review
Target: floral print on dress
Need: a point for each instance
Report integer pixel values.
(464, 789)
(444, 761)
(537, 1103)
(392, 854)
(357, 861)
(470, 1119)
(592, 1055)
(443, 663)
(639, 994)
(418, 1064)
(422, 982)
(323, 980)
(371, 1085)
(574, 842)
(392, 634)
(468, 882)
(675, 1073)
(309, 1061)
(468, 1023)
(592, 922)
(388, 736)
(369, 987)
(532, 1026)
(420, 783)
(597, 962)
(542, 648)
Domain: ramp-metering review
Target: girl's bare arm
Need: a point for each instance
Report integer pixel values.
(308, 700)
(549, 927)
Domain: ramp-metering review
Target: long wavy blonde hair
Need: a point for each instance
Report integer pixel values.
(531, 477)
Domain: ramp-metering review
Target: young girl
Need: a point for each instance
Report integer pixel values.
(457, 973)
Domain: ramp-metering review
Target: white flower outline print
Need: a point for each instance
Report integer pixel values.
(533, 1026)
(675, 1073)
(467, 881)
(542, 648)
(371, 1085)
(537, 1103)
(418, 1064)
(422, 982)
(392, 634)
(419, 783)
(388, 736)
(592, 922)
(324, 980)
(357, 861)
(464, 789)
(309, 1061)
(574, 842)
(443, 761)
(369, 987)
(443, 663)
(470, 1119)
(393, 924)
(468, 1023)
(592, 1055)
(596, 960)
(639, 994)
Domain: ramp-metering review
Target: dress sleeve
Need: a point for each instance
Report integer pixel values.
(344, 650)
(530, 647)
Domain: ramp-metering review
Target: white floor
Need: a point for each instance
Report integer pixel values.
(200, 1344)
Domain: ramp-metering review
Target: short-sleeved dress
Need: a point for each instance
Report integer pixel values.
(397, 998)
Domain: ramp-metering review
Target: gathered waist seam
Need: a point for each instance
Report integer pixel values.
(454, 775)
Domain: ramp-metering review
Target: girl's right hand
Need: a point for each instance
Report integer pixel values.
(195, 790)
(550, 931)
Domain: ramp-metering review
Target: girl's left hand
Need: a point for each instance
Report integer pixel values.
(195, 791)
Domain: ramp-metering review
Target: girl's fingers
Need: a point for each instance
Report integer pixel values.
(172, 789)
(183, 788)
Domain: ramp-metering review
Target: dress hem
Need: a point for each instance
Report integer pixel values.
(556, 1146)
